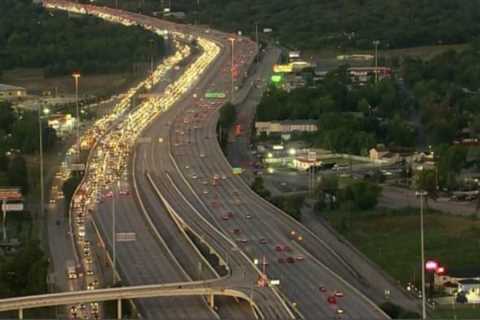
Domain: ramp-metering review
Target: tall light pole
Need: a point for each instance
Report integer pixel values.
(256, 41)
(76, 77)
(41, 111)
(422, 194)
(376, 43)
(115, 188)
(232, 40)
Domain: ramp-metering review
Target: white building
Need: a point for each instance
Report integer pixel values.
(471, 287)
(290, 126)
(303, 163)
(11, 92)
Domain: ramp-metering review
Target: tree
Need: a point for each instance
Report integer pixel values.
(18, 174)
(364, 195)
(259, 188)
(426, 180)
(363, 106)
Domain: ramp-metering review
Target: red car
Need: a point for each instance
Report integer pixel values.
(332, 300)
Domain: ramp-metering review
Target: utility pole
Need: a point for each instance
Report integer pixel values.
(256, 41)
(114, 238)
(422, 194)
(232, 40)
(376, 43)
(76, 77)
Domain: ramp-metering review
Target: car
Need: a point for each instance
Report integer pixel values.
(279, 247)
(109, 195)
(225, 217)
(248, 216)
(125, 192)
(290, 260)
(339, 294)
(205, 191)
(202, 155)
(263, 241)
(194, 176)
(299, 258)
(243, 240)
(90, 286)
(339, 311)
(90, 272)
(322, 289)
(224, 177)
(332, 300)
(236, 231)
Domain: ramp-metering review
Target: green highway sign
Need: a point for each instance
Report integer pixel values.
(215, 95)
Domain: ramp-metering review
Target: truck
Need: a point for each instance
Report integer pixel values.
(71, 269)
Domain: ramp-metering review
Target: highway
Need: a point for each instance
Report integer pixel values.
(176, 191)
(189, 163)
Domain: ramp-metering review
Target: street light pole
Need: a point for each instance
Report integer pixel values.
(422, 249)
(256, 41)
(40, 135)
(232, 40)
(114, 237)
(76, 76)
(376, 43)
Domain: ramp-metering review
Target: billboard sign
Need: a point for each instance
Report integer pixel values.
(77, 167)
(294, 54)
(282, 68)
(10, 194)
(215, 95)
(12, 207)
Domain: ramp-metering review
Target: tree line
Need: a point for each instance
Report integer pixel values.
(32, 37)
(340, 24)
(19, 136)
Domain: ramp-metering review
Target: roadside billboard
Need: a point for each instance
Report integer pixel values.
(282, 68)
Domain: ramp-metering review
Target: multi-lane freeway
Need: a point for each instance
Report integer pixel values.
(156, 170)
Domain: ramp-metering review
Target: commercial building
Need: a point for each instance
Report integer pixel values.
(11, 92)
(361, 75)
(290, 126)
(466, 280)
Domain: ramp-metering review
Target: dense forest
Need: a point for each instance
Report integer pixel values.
(31, 37)
(447, 90)
(342, 23)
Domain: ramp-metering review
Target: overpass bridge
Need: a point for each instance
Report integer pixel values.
(208, 289)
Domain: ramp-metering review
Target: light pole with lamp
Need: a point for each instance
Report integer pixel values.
(232, 40)
(76, 77)
(41, 111)
(376, 43)
(422, 194)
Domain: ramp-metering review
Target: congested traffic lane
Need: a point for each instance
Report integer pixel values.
(107, 163)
